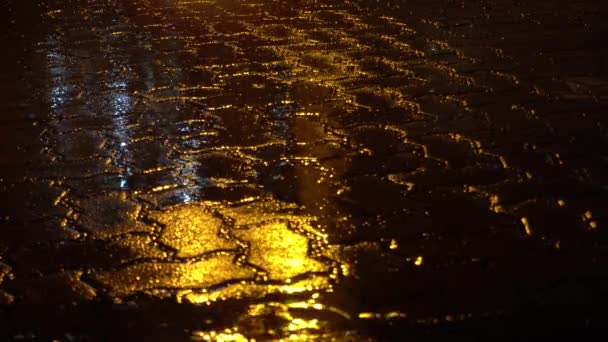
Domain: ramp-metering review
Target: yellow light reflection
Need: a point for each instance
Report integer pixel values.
(253, 249)
(227, 335)
(394, 245)
(192, 230)
(280, 251)
(382, 316)
(298, 324)
(526, 223)
(152, 275)
(252, 290)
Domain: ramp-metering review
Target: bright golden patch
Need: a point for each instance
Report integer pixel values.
(191, 230)
(280, 251)
(162, 275)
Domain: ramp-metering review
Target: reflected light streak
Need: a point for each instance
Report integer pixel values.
(121, 104)
(57, 69)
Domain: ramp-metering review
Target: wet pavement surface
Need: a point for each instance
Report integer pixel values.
(307, 170)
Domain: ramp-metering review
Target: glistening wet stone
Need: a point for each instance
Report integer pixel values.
(311, 170)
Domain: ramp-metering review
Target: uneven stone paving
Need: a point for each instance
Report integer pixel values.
(314, 170)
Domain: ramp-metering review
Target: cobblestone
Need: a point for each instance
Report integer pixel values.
(349, 170)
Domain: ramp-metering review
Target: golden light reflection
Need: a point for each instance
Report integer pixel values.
(290, 321)
(228, 335)
(192, 230)
(251, 250)
(393, 245)
(241, 252)
(312, 304)
(526, 223)
(298, 324)
(294, 329)
(588, 218)
(260, 211)
(280, 251)
(154, 275)
(252, 290)
(382, 316)
(588, 215)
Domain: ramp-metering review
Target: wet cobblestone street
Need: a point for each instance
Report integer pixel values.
(223, 170)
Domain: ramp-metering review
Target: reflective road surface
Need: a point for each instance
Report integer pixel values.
(308, 170)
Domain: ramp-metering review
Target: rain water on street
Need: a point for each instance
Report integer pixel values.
(354, 170)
